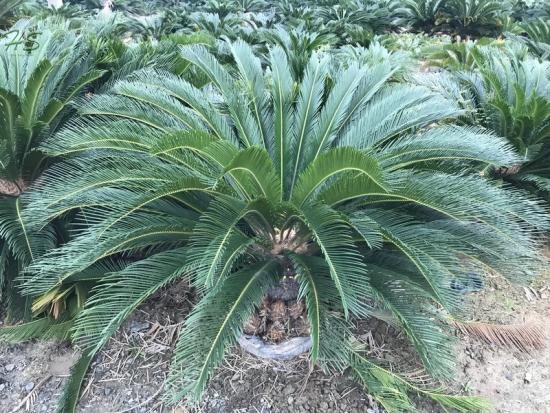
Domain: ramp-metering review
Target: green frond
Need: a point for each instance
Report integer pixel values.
(238, 107)
(132, 109)
(35, 84)
(71, 391)
(119, 177)
(255, 174)
(391, 390)
(307, 113)
(447, 144)
(254, 85)
(217, 240)
(43, 328)
(317, 288)
(126, 237)
(120, 293)
(333, 236)
(418, 318)
(200, 100)
(155, 98)
(213, 326)
(373, 81)
(283, 117)
(333, 113)
(394, 110)
(332, 163)
(221, 153)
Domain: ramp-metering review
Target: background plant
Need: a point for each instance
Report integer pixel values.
(36, 89)
(513, 96)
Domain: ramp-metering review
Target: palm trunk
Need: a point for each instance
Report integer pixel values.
(10, 188)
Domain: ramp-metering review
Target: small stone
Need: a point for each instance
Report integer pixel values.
(9, 367)
(107, 391)
(137, 326)
(290, 400)
(323, 406)
(288, 390)
(29, 386)
(528, 377)
(2, 386)
(509, 376)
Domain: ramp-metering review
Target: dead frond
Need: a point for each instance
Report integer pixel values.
(523, 337)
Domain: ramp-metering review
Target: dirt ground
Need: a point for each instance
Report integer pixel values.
(128, 376)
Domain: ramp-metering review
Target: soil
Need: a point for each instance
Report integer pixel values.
(514, 382)
(128, 375)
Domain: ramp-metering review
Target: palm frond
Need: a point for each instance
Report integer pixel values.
(71, 391)
(43, 328)
(214, 325)
(524, 337)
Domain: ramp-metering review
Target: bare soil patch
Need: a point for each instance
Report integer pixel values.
(128, 375)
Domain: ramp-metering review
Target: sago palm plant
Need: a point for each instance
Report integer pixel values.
(513, 98)
(7, 8)
(422, 13)
(359, 189)
(538, 37)
(36, 87)
(298, 45)
(471, 17)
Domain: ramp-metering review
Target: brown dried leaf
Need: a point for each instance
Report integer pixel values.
(523, 337)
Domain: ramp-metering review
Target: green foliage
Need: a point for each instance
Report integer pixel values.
(299, 45)
(537, 37)
(463, 17)
(7, 9)
(538, 30)
(37, 87)
(513, 96)
(467, 13)
(361, 186)
(422, 13)
(231, 142)
(461, 55)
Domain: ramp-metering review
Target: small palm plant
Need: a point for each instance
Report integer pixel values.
(7, 7)
(357, 188)
(298, 45)
(513, 97)
(538, 36)
(36, 87)
(422, 13)
(476, 16)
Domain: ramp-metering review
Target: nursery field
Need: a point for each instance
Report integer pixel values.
(292, 206)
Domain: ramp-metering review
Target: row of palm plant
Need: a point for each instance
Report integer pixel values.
(355, 21)
(360, 188)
